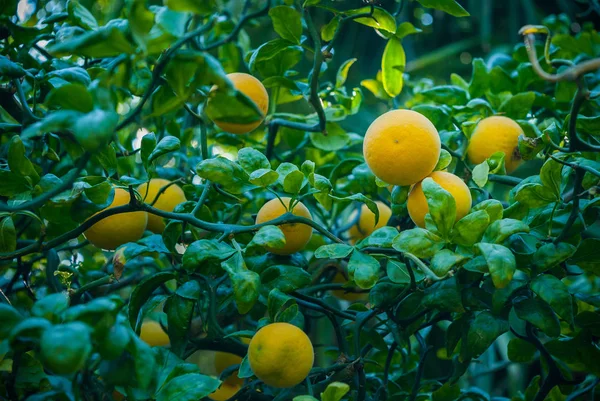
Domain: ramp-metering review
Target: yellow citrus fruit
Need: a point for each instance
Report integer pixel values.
(496, 134)
(118, 229)
(153, 334)
(401, 147)
(417, 203)
(281, 355)
(167, 200)
(366, 222)
(297, 235)
(228, 388)
(255, 90)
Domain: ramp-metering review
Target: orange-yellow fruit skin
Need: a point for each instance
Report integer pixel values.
(281, 355)
(401, 147)
(366, 222)
(496, 134)
(167, 200)
(297, 235)
(417, 203)
(255, 90)
(153, 334)
(233, 383)
(118, 229)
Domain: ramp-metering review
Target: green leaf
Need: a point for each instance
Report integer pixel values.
(518, 106)
(335, 391)
(72, 97)
(398, 273)
(492, 207)
(539, 314)
(337, 138)
(382, 237)
(342, 73)
(448, 392)
(263, 177)
(281, 307)
(535, 195)
(521, 351)
(483, 331)
(107, 41)
(418, 241)
(65, 347)
(95, 129)
(500, 230)
(480, 174)
(188, 387)
(549, 255)
(287, 23)
(246, 285)
(405, 29)
(142, 292)
(81, 16)
(235, 107)
(444, 160)
(449, 6)
(587, 256)
(333, 251)
(205, 251)
(556, 294)
(444, 295)
(269, 236)
(197, 7)
(551, 176)
(251, 160)
(381, 19)
(166, 145)
(328, 30)
(393, 63)
(179, 308)
(442, 207)
(501, 263)
(9, 318)
(444, 260)
(285, 278)
(469, 230)
(51, 306)
(223, 171)
(363, 269)
(18, 161)
(8, 235)
(447, 94)
(147, 147)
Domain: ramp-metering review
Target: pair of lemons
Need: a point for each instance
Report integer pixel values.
(280, 354)
(116, 230)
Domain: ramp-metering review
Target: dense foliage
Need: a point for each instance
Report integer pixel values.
(94, 105)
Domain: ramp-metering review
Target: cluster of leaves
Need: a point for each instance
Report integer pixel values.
(95, 104)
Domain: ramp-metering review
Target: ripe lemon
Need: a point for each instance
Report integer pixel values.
(118, 229)
(228, 389)
(401, 147)
(255, 90)
(297, 235)
(366, 222)
(496, 134)
(281, 355)
(417, 203)
(153, 334)
(167, 200)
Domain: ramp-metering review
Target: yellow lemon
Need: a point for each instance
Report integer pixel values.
(228, 388)
(153, 334)
(255, 90)
(281, 355)
(417, 203)
(297, 235)
(401, 147)
(496, 134)
(118, 229)
(366, 222)
(168, 199)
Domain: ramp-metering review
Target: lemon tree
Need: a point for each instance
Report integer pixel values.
(299, 200)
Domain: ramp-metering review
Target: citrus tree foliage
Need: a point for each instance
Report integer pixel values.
(93, 106)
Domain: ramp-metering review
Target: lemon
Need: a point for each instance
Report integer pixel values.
(153, 334)
(297, 235)
(167, 200)
(496, 134)
(366, 222)
(401, 147)
(116, 230)
(417, 203)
